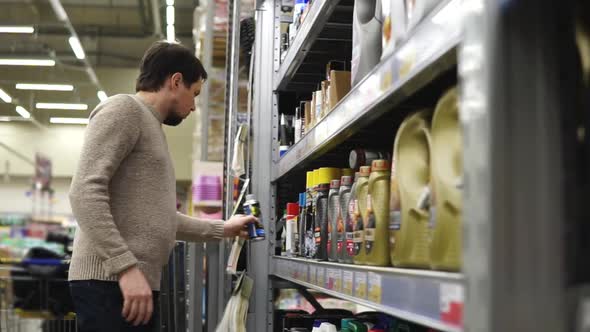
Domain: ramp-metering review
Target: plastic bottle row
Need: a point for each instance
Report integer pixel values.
(403, 210)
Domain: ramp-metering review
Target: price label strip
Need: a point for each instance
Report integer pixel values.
(347, 282)
(375, 287)
(313, 274)
(321, 277)
(451, 303)
(338, 280)
(360, 285)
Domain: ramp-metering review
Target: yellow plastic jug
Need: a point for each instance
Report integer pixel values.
(411, 234)
(377, 222)
(447, 176)
(362, 191)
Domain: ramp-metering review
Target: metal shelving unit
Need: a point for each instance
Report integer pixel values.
(512, 280)
(429, 51)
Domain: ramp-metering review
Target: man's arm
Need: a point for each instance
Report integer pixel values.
(199, 230)
(110, 137)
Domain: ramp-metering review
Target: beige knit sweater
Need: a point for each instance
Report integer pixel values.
(123, 196)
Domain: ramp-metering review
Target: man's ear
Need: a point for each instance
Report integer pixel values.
(176, 80)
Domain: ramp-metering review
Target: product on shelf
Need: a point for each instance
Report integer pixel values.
(416, 10)
(309, 116)
(310, 244)
(447, 178)
(365, 157)
(325, 175)
(366, 38)
(319, 105)
(306, 221)
(297, 125)
(394, 24)
(412, 176)
(362, 192)
(252, 207)
(292, 230)
(334, 220)
(299, 248)
(347, 172)
(344, 195)
(377, 222)
(350, 222)
(283, 136)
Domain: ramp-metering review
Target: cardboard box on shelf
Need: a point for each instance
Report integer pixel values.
(318, 106)
(339, 87)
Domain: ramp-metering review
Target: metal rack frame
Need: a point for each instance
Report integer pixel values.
(511, 160)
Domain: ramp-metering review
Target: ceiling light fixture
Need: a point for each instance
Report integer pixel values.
(170, 15)
(102, 95)
(27, 62)
(62, 106)
(17, 29)
(170, 2)
(77, 47)
(23, 112)
(47, 87)
(170, 34)
(4, 96)
(69, 120)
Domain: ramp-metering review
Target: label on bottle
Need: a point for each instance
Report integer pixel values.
(358, 242)
(395, 223)
(329, 243)
(341, 242)
(350, 243)
(317, 236)
(369, 239)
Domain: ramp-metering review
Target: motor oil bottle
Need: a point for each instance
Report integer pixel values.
(350, 222)
(377, 222)
(303, 215)
(252, 207)
(411, 230)
(362, 191)
(346, 172)
(310, 219)
(301, 221)
(447, 174)
(325, 175)
(344, 197)
(334, 220)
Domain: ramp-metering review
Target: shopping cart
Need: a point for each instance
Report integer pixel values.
(35, 297)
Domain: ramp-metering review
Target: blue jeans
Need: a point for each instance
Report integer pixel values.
(99, 305)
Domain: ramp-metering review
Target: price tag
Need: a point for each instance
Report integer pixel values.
(375, 287)
(304, 272)
(360, 285)
(321, 277)
(331, 279)
(451, 303)
(347, 282)
(338, 280)
(313, 274)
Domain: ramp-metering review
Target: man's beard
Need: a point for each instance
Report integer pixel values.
(173, 119)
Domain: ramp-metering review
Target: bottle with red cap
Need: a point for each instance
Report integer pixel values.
(292, 229)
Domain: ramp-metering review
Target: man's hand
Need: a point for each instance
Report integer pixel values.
(137, 295)
(236, 226)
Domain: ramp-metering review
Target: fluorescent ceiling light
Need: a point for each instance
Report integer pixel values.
(170, 2)
(4, 96)
(170, 15)
(48, 87)
(77, 47)
(69, 120)
(102, 95)
(12, 118)
(59, 10)
(27, 62)
(62, 106)
(23, 112)
(170, 35)
(17, 29)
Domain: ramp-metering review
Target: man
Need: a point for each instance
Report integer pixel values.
(124, 196)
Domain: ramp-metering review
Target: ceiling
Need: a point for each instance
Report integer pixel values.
(113, 33)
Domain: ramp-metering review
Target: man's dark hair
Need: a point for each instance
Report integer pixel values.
(162, 60)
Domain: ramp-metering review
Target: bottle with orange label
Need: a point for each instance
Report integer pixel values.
(362, 192)
(377, 222)
(344, 195)
(349, 223)
(325, 175)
